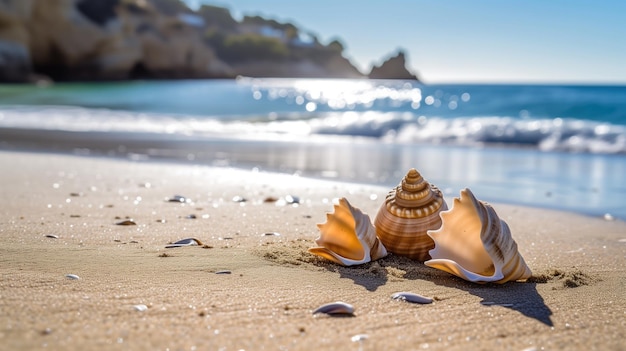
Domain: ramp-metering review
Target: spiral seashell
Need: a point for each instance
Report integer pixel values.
(475, 244)
(409, 210)
(348, 237)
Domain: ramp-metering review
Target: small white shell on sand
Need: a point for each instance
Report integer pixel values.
(359, 337)
(184, 242)
(140, 308)
(335, 308)
(411, 297)
(271, 234)
(72, 276)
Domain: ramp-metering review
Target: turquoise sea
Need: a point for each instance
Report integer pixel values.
(551, 146)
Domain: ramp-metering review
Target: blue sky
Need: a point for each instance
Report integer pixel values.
(543, 41)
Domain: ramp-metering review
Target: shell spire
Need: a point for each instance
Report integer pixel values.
(473, 243)
(409, 211)
(348, 237)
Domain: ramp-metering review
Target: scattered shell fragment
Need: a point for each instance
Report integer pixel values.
(140, 308)
(290, 199)
(359, 337)
(126, 222)
(223, 272)
(336, 308)
(52, 236)
(411, 297)
(184, 242)
(178, 198)
(239, 199)
(72, 276)
(191, 216)
(271, 234)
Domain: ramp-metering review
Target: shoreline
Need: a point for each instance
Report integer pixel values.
(574, 300)
(339, 160)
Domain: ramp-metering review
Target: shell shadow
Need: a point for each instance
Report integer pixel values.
(521, 297)
(371, 275)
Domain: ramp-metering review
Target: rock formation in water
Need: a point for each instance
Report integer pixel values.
(127, 39)
(393, 68)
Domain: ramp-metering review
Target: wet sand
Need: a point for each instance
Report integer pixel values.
(575, 300)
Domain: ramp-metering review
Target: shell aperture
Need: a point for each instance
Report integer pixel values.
(473, 243)
(348, 237)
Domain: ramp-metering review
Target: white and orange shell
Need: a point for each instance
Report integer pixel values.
(473, 243)
(348, 237)
(409, 211)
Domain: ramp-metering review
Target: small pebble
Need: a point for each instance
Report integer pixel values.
(270, 199)
(336, 309)
(223, 272)
(52, 236)
(191, 216)
(411, 297)
(608, 217)
(72, 276)
(140, 308)
(126, 222)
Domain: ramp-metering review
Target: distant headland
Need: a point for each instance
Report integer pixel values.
(87, 40)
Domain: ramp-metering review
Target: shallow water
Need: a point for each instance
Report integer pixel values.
(558, 147)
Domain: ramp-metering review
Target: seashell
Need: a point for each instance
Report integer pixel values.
(178, 198)
(271, 234)
(409, 211)
(184, 242)
(140, 308)
(348, 237)
(126, 222)
(473, 243)
(335, 308)
(291, 199)
(411, 297)
(72, 276)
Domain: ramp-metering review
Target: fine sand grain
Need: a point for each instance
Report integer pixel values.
(59, 217)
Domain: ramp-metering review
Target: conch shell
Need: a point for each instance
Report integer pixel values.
(475, 244)
(348, 237)
(409, 211)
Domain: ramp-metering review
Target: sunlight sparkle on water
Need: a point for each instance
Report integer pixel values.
(340, 94)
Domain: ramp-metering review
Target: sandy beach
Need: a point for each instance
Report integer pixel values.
(59, 217)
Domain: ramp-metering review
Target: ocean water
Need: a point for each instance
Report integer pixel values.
(552, 146)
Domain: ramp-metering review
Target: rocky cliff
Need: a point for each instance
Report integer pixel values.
(127, 39)
(393, 68)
